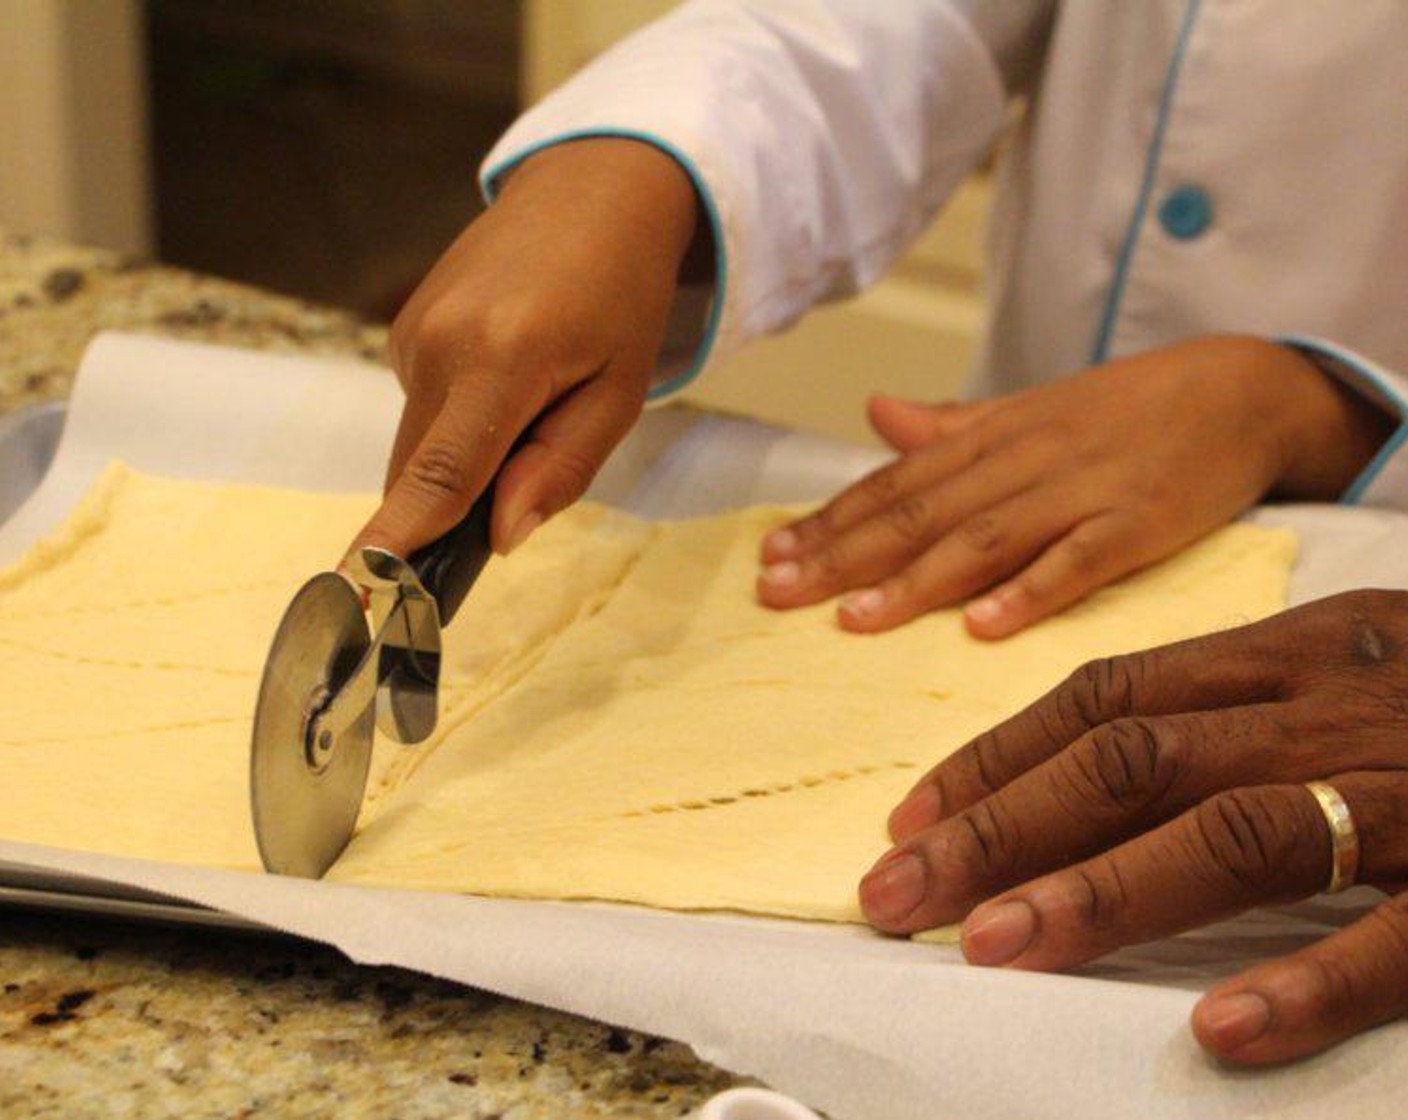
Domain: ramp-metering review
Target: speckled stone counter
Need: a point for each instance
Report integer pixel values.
(103, 1019)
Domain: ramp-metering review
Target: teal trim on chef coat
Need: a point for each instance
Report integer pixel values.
(1397, 442)
(1318, 347)
(488, 180)
(1146, 187)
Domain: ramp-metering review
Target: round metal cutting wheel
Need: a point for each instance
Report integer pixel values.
(305, 794)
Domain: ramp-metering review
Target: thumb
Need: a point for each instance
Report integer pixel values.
(906, 425)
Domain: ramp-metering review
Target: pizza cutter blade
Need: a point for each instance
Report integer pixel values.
(330, 681)
(306, 781)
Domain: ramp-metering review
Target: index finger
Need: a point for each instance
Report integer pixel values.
(1215, 671)
(462, 448)
(881, 489)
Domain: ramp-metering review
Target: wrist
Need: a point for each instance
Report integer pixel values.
(616, 179)
(1327, 432)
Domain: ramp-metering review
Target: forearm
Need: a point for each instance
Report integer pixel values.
(633, 183)
(820, 136)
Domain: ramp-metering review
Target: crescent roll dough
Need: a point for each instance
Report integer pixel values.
(621, 719)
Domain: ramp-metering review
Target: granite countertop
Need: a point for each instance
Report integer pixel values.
(105, 1019)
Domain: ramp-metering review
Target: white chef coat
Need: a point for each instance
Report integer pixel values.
(1184, 167)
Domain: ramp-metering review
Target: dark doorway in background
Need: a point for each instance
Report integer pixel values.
(324, 148)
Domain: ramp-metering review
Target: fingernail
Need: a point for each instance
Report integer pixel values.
(862, 604)
(984, 610)
(523, 528)
(785, 574)
(781, 542)
(917, 811)
(894, 855)
(999, 935)
(1234, 1021)
(893, 888)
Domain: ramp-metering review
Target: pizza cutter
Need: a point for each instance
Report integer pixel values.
(333, 675)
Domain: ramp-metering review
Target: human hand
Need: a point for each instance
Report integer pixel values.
(1153, 793)
(1033, 501)
(548, 311)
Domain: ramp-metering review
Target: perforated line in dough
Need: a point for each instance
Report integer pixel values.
(125, 733)
(799, 785)
(474, 697)
(118, 663)
(791, 684)
(771, 626)
(152, 601)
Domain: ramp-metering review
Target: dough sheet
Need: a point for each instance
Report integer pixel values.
(621, 719)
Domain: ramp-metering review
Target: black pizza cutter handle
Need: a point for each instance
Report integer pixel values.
(448, 567)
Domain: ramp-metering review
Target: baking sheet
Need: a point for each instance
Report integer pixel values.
(863, 1027)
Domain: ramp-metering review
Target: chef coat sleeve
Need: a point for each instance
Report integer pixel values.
(821, 136)
(1384, 482)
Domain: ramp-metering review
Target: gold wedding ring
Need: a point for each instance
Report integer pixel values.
(1344, 840)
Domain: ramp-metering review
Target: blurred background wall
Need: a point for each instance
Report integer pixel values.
(74, 159)
(327, 148)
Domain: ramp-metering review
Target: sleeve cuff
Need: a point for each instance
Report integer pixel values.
(693, 325)
(1384, 482)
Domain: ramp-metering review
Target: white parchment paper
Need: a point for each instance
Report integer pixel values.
(863, 1027)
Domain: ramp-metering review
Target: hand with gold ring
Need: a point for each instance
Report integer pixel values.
(1153, 793)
